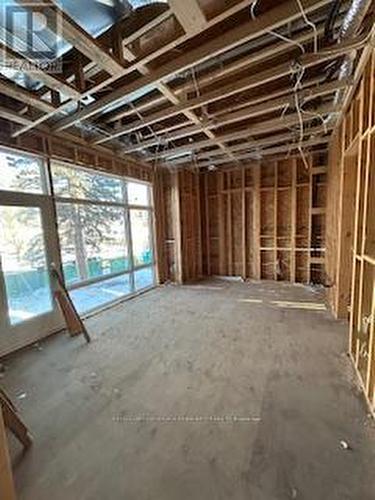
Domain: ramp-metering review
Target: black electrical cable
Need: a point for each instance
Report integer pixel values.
(330, 23)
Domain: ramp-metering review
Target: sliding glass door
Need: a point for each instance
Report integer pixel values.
(97, 228)
(27, 249)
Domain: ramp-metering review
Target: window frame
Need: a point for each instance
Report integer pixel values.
(32, 329)
(17, 335)
(128, 232)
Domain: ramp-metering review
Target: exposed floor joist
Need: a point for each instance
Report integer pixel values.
(189, 14)
(215, 78)
(276, 17)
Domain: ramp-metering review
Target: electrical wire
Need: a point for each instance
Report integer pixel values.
(285, 109)
(309, 23)
(288, 40)
(275, 33)
(305, 162)
(299, 113)
(318, 115)
(357, 44)
(198, 93)
(142, 120)
(298, 69)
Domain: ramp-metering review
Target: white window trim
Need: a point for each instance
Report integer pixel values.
(13, 197)
(127, 208)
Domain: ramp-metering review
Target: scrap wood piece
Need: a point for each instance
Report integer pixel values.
(13, 421)
(6, 477)
(73, 321)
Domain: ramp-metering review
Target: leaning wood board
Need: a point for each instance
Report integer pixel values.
(6, 477)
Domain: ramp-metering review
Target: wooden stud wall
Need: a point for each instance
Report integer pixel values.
(351, 225)
(266, 221)
(65, 149)
(176, 197)
(178, 216)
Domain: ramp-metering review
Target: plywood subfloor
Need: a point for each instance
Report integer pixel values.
(215, 349)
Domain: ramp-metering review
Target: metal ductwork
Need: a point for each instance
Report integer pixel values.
(353, 19)
(350, 25)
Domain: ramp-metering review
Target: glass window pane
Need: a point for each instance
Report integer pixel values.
(20, 173)
(103, 232)
(98, 294)
(71, 182)
(23, 263)
(70, 242)
(92, 240)
(141, 237)
(144, 278)
(138, 194)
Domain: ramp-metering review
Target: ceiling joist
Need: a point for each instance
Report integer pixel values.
(282, 14)
(189, 15)
(247, 132)
(213, 156)
(192, 83)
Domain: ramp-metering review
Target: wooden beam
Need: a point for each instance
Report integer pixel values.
(79, 75)
(189, 15)
(275, 225)
(274, 18)
(230, 89)
(176, 211)
(256, 225)
(91, 69)
(243, 224)
(247, 132)
(190, 130)
(229, 233)
(252, 101)
(293, 215)
(310, 219)
(261, 55)
(191, 116)
(138, 65)
(207, 224)
(26, 96)
(13, 421)
(243, 147)
(221, 224)
(49, 142)
(10, 115)
(84, 42)
(50, 80)
(7, 488)
(275, 104)
(147, 27)
(271, 151)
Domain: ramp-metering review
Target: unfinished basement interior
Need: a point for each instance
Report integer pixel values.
(187, 250)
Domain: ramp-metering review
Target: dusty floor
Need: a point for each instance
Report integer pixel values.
(217, 349)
